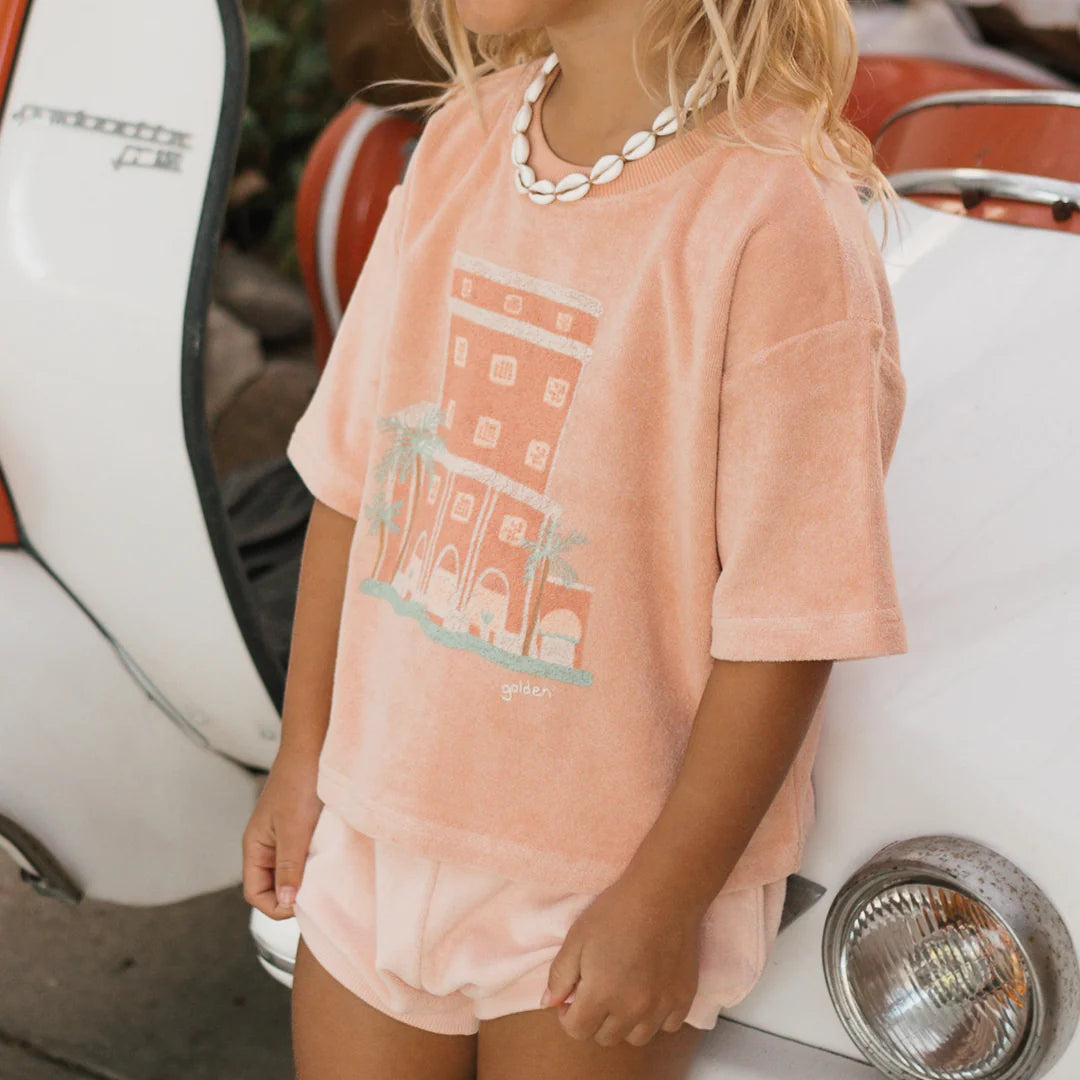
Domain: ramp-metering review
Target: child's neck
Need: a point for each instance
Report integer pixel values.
(596, 101)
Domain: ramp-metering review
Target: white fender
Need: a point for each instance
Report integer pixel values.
(117, 141)
(973, 731)
(127, 802)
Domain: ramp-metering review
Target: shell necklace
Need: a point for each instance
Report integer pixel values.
(577, 184)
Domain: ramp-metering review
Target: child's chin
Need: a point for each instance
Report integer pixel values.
(505, 16)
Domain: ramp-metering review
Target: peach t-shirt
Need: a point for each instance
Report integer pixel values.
(591, 446)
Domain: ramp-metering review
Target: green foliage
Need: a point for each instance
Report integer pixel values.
(290, 100)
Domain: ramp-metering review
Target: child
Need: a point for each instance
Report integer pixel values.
(598, 458)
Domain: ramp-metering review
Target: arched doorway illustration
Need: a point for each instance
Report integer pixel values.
(411, 570)
(443, 583)
(488, 605)
(558, 636)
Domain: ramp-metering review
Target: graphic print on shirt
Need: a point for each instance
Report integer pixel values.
(470, 544)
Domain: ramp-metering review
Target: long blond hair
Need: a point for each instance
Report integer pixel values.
(800, 53)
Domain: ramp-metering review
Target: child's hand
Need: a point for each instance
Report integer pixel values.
(631, 959)
(277, 837)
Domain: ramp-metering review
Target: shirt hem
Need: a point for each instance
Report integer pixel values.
(846, 636)
(506, 858)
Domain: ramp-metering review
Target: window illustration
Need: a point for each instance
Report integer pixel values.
(462, 508)
(503, 369)
(487, 432)
(512, 529)
(537, 455)
(468, 543)
(555, 391)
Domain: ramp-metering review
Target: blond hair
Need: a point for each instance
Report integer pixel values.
(800, 53)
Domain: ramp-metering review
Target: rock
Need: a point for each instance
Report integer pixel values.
(260, 297)
(257, 424)
(232, 358)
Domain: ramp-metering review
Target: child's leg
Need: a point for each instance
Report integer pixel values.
(532, 1045)
(337, 1036)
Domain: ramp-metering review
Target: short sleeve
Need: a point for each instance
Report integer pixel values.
(807, 427)
(330, 442)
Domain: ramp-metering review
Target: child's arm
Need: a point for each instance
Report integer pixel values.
(641, 934)
(276, 840)
(319, 600)
(747, 731)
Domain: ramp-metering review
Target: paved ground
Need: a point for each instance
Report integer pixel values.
(115, 993)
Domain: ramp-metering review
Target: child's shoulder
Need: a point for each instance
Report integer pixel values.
(808, 251)
(787, 193)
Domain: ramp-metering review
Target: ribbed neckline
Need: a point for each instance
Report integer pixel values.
(670, 154)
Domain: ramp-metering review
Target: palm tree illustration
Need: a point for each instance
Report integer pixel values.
(546, 557)
(412, 448)
(381, 514)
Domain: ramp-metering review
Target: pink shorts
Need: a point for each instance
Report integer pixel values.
(442, 947)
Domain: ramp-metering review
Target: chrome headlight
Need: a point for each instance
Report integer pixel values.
(945, 962)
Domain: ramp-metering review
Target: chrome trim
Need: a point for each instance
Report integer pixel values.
(1001, 185)
(1014, 898)
(1068, 98)
(38, 866)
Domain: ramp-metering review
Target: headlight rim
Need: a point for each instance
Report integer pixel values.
(990, 879)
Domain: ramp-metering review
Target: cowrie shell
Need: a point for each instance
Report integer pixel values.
(638, 145)
(523, 118)
(543, 191)
(706, 95)
(532, 91)
(519, 149)
(606, 169)
(665, 123)
(572, 186)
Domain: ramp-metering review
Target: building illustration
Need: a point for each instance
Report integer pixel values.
(470, 544)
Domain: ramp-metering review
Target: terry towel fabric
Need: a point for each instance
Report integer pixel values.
(592, 446)
(442, 947)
